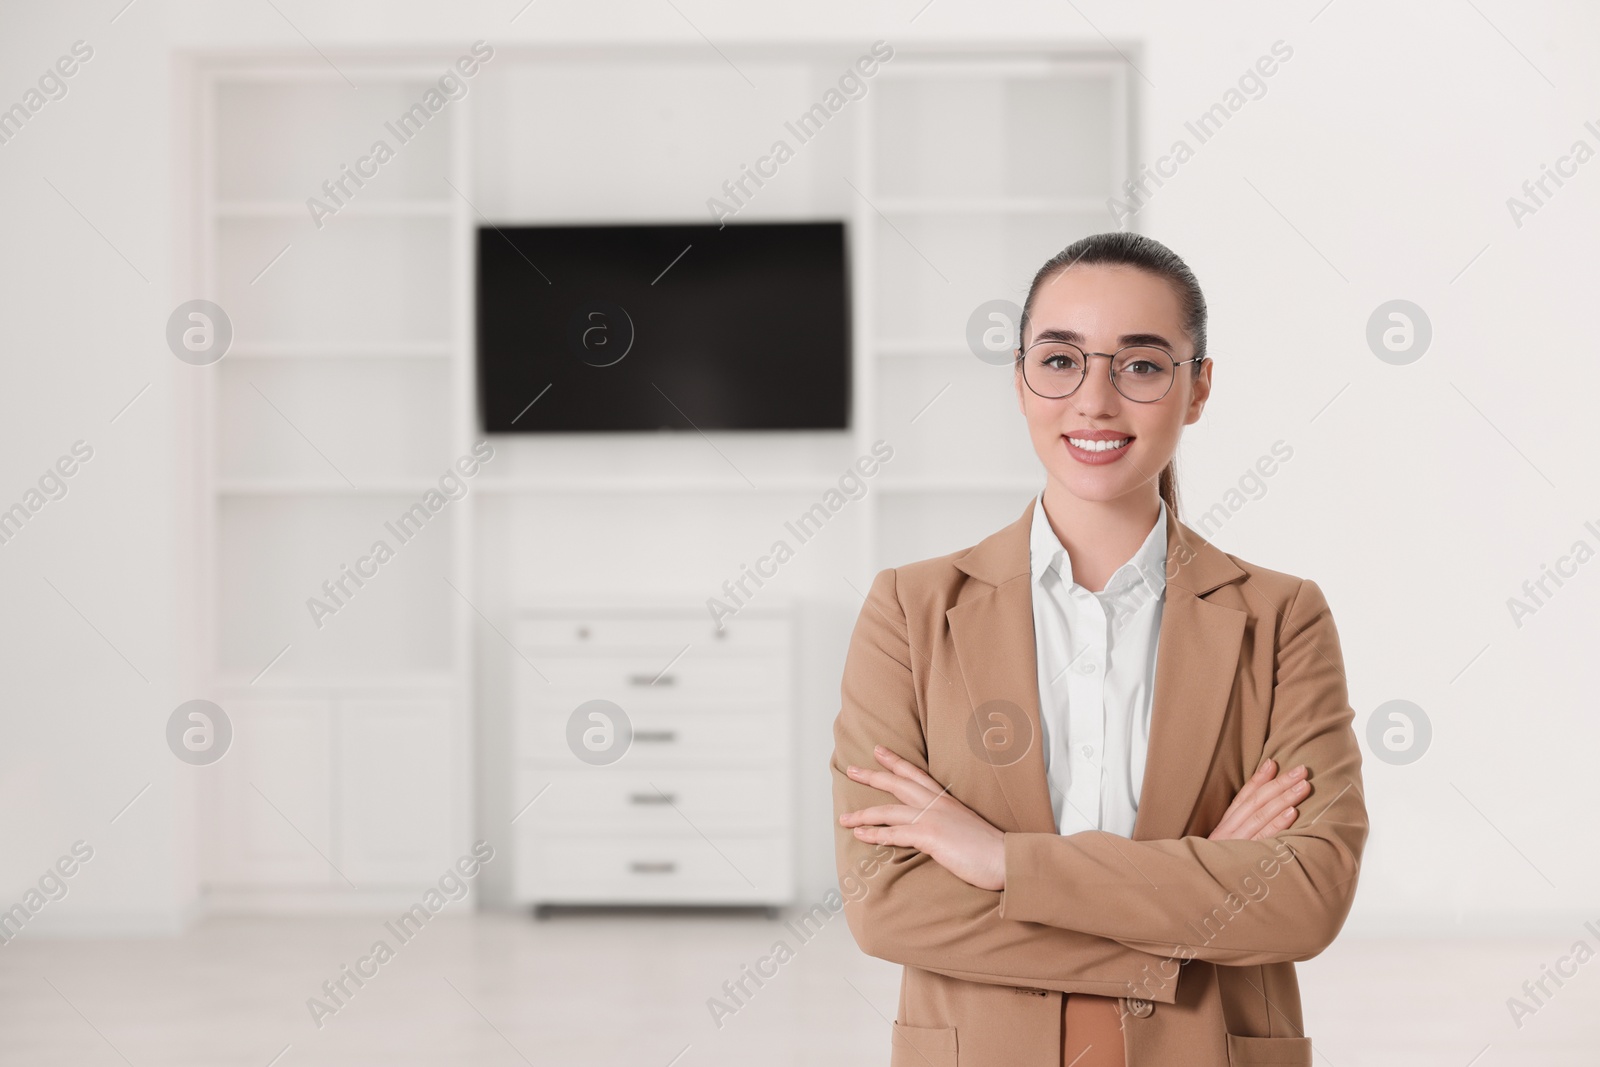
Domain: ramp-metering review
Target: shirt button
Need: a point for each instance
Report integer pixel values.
(1088, 751)
(1088, 667)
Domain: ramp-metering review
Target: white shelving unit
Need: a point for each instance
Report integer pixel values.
(349, 389)
(343, 399)
(971, 173)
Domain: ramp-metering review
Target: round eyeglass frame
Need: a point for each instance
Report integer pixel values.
(1022, 355)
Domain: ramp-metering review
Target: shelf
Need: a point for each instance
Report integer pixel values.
(232, 684)
(311, 350)
(1010, 69)
(733, 486)
(322, 487)
(999, 486)
(533, 487)
(276, 209)
(1000, 205)
(908, 346)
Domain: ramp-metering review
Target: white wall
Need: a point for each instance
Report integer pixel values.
(1377, 165)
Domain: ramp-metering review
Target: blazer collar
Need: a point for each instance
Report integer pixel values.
(1198, 655)
(1193, 563)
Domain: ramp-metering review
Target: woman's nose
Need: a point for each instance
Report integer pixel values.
(1096, 395)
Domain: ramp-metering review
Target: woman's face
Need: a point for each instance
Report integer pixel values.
(1103, 305)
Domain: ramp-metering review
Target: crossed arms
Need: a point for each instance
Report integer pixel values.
(1094, 912)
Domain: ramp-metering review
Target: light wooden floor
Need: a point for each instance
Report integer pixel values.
(633, 989)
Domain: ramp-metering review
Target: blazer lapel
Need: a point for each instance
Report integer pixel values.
(1196, 661)
(993, 637)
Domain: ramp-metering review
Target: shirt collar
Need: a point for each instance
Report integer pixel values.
(1045, 552)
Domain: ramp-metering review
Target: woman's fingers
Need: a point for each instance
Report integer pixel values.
(1269, 818)
(1273, 802)
(902, 789)
(880, 815)
(898, 836)
(908, 783)
(1262, 804)
(1243, 801)
(905, 768)
(1279, 825)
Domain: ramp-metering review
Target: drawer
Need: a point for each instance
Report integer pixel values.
(667, 738)
(624, 799)
(649, 676)
(656, 869)
(670, 632)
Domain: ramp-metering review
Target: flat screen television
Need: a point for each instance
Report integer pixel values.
(628, 327)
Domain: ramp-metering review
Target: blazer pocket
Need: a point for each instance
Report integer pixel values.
(922, 1046)
(1264, 1051)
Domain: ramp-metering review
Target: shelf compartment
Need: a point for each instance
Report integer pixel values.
(274, 554)
(997, 135)
(931, 409)
(366, 281)
(297, 420)
(281, 140)
(913, 526)
(933, 271)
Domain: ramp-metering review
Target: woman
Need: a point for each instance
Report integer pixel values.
(1096, 882)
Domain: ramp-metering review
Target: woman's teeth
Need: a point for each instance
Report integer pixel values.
(1098, 446)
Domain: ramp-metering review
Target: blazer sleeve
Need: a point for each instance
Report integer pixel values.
(904, 907)
(1230, 902)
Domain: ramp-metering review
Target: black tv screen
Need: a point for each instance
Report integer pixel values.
(651, 327)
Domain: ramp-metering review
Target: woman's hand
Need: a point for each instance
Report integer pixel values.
(929, 820)
(1265, 806)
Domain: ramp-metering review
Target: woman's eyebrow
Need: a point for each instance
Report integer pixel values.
(1076, 338)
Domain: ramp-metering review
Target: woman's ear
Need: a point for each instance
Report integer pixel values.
(1200, 393)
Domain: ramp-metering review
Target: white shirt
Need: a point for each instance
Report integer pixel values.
(1097, 669)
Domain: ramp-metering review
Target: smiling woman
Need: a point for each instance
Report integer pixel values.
(1161, 682)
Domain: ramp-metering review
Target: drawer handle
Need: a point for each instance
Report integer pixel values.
(646, 679)
(652, 798)
(655, 735)
(653, 866)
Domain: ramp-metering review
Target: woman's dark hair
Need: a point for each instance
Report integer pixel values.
(1120, 248)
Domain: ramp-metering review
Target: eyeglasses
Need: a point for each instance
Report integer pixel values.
(1142, 373)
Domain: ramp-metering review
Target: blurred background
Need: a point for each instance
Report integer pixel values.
(444, 450)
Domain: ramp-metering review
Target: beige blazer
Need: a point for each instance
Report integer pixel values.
(1197, 938)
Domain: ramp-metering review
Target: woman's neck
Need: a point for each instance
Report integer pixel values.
(1100, 535)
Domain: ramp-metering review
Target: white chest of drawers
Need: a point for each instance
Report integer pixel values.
(687, 795)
